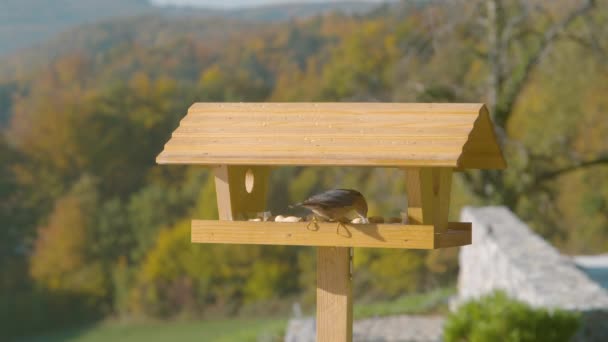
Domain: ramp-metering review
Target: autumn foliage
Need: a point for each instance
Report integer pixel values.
(89, 220)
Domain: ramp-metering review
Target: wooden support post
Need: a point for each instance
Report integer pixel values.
(236, 198)
(334, 294)
(414, 195)
(428, 193)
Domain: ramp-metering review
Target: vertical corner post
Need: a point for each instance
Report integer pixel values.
(428, 195)
(235, 199)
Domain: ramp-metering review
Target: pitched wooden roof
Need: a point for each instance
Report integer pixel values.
(358, 134)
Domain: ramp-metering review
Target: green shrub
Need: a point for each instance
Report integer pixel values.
(496, 317)
(33, 311)
(181, 278)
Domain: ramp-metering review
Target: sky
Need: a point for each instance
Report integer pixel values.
(239, 3)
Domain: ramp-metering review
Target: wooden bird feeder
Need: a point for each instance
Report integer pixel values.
(242, 142)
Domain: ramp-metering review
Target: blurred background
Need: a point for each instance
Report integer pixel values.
(94, 237)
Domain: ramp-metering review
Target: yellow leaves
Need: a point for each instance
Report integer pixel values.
(211, 76)
(206, 206)
(141, 82)
(372, 28)
(302, 184)
(60, 246)
(70, 70)
(211, 274)
(61, 260)
(440, 261)
(151, 97)
(392, 271)
(593, 127)
(390, 45)
(265, 280)
(164, 260)
(560, 121)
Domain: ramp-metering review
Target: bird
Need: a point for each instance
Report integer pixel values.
(339, 205)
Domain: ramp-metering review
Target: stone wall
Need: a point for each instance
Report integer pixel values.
(403, 328)
(507, 255)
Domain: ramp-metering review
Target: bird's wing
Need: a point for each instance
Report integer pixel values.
(332, 198)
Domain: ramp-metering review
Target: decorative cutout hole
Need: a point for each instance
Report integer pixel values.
(249, 181)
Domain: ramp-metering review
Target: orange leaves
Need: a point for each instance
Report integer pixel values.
(60, 260)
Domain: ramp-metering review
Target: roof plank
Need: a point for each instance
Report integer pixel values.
(358, 134)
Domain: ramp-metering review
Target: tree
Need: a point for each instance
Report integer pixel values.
(180, 277)
(520, 36)
(513, 53)
(61, 260)
(15, 223)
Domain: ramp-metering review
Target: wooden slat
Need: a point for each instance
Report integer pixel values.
(315, 137)
(334, 295)
(345, 127)
(279, 150)
(394, 134)
(206, 140)
(458, 234)
(317, 160)
(336, 107)
(357, 120)
(413, 126)
(321, 234)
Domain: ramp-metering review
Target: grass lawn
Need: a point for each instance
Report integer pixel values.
(435, 301)
(239, 329)
(266, 329)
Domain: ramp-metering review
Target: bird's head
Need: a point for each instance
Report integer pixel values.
(360, 205)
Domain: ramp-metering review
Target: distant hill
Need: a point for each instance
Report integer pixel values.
(24, 23)
(282, 11)
(99, 38)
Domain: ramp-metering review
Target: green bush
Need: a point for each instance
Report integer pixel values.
(496, 317)
(180, 278)
(33, 311)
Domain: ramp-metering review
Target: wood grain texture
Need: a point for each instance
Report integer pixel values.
(334, 295)
(428, 195)
(323, 234)
(414, 195)
(436, 185)
(233, 200)
(481, 150)
(458, 234)
(357, 134)
(222, 192)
